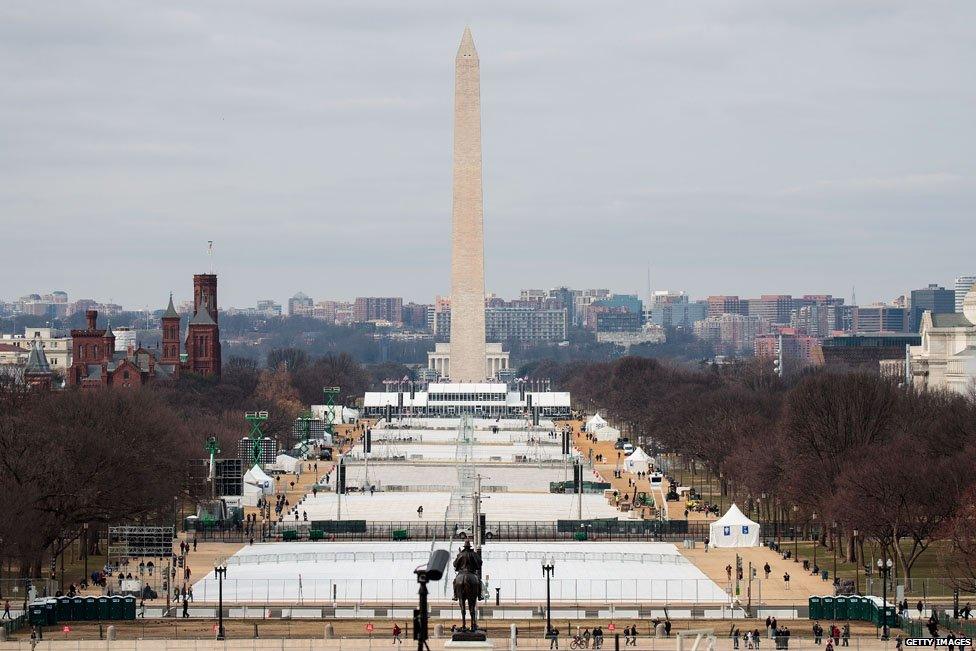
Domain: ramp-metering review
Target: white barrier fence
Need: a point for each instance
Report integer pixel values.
(421, 556)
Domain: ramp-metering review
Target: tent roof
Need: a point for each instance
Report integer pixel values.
(638, 455)
(596, 420)
(258, 474)
(734, 516)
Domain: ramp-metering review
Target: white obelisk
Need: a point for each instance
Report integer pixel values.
(468, 351)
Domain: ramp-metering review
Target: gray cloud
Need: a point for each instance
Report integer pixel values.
(751, 147)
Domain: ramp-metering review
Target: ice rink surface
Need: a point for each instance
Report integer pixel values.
(621, 573)
(509, 453)
(402, 506)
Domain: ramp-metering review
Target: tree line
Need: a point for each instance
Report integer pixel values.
(835, 452)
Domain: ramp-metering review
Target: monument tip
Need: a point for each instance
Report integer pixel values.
(467, 48)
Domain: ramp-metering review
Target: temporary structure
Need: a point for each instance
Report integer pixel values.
(256, 484)
(286, 463)
(733, 529)
(637, 461)
(595, 423)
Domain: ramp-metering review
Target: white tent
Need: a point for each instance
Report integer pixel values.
(256, 484)
(637, 461)
(286, 463)
(733, 529)
(595, 423)
(606, 433)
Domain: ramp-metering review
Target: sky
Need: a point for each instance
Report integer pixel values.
(749, 147)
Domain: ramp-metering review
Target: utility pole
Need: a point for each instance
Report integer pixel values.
(476, 526)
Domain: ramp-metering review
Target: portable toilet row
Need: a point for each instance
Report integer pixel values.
(50, 611)
(854, 607)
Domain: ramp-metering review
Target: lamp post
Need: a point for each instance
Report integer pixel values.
(857, 566)
(548, 568)
(220, 571)
(816, 541)
(884, 568)
(796, 546)
(835, 542)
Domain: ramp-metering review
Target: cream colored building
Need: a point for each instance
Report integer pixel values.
(946, 358)
(56, 349)
(439, 360)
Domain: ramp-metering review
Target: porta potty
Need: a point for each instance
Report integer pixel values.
(51, 611)
(828, 607)
(129, 607)
(91, 609)
(63, 609)
(841, 610)
(816, 608)
(116, 607)
(104, 609)
(77, 608)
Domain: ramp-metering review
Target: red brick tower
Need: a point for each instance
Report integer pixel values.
(205, 285)
(203, 334)
(171, 335)
(90, 352)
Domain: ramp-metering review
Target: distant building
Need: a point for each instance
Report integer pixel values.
(946, 355)
(57, 348)
(369, 308)
(865, 352)
(647, 334)
(718, 305)
(674, 310)
(300, 305)
(617, 319)
(962, 286)
(525, 324)
(415, 316)
(439, 360)
(268, 307)
(881, 318)
(796, 346)
(731, 334)
(933, 298)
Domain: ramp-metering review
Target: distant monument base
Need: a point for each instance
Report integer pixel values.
(469, 636)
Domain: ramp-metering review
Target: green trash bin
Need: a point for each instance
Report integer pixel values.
(828, 607)
(36, 614)
(77, 609)
(579, 535)
(841, 608)
(104, 609)
(129, 607)
(289, 534)
(399, 534)
(51, 611)
(62, 609)
(316, 534)
(816, 608)
(116, 608)
(91, 609)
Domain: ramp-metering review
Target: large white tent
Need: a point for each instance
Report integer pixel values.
(594, 423)
(256, 484)
(733, 529)
(637, 461)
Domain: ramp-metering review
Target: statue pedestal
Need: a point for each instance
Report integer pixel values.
(468, 644)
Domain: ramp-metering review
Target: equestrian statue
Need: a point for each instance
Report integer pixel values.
(467, 584)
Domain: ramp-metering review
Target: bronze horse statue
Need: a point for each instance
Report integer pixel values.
(467, 583)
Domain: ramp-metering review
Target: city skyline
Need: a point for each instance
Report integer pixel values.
(728, 149)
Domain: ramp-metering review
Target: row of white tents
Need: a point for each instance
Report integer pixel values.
(601, 429)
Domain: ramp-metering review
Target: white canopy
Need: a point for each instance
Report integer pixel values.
(595, 423)
(286, 463)
(257, 477)
(607, 433)
(637, 461)
(733, 529)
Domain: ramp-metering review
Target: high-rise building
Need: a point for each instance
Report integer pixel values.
(962, 286)
(881, 318)
(934, 299)
(723, 305)
(526, 324)
(731, 334)
(372, 308)
(300, 305)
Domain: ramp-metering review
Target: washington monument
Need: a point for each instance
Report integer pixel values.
(468, 351)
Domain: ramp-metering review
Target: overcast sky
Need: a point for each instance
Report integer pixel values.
(735, 147)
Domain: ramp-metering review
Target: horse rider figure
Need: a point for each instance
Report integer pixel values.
(467, 584)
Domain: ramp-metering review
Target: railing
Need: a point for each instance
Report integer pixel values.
(420, 556)
(527, 591)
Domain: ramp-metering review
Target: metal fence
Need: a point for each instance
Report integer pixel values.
(421, 556)
(511, 591)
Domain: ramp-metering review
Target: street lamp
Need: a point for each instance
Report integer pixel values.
(884, 567)
(835, 542)
(548, 568)
(220, 572)
(796, 546)
(857, 566)
(816, 542)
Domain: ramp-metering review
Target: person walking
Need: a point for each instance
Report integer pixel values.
(397, 634)
(786, 579)
(817, 633)
(186, 609)
(735, 637)
(845, 635)
(767, 569)
(728, 574)
(6, 610)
